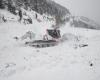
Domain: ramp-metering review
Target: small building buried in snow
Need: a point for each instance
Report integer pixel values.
(55, 34)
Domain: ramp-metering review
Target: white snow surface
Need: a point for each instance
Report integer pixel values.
(66, 61)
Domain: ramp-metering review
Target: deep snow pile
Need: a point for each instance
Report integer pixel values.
(8, 16)
(75, 58)
(69, 60)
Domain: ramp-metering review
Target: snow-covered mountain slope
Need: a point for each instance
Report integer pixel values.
(76, 57)
(8, 16)
(85, 8)
(50, 10)
(84, 22)
(47, 7)
(83, 16)
(70, 60)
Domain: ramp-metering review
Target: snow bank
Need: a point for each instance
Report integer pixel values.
(67, 61)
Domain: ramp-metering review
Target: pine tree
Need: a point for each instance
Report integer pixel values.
(1, 4)
(11, 7)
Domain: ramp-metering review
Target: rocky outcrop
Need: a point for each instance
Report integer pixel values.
(84, 22)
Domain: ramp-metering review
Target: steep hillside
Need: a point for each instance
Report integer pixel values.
(84, 22)
(48, 7)
(53, 11)
(75, 57)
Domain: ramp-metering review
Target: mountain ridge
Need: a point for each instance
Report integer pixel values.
(61, 14)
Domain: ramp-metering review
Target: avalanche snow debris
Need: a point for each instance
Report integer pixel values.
(28, 63)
